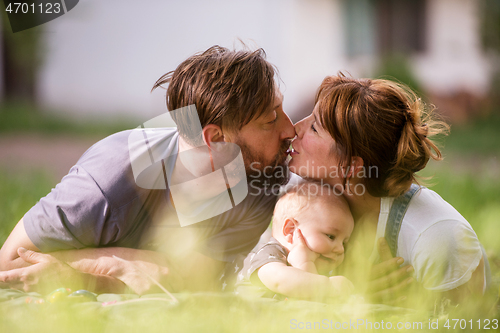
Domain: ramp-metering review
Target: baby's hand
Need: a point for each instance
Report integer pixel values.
(300, 255)
(341, 286)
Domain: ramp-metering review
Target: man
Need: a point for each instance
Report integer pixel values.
(99, 210)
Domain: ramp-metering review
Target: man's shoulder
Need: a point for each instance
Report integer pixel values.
(261, 196)
(121, 143)
(257, 205)
(109, 162)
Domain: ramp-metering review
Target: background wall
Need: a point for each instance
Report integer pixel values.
(102, 57)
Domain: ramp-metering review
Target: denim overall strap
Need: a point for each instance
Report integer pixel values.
(395, 219)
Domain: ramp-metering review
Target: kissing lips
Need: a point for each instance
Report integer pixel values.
(292, 151)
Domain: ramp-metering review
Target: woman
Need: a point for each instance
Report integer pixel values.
(367, 139)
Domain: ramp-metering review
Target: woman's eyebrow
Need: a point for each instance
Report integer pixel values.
(315, 119)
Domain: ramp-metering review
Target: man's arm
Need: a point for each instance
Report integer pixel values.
(95, 268)
(9, 258)
(296, 283)
(46, 273)
(102, 272)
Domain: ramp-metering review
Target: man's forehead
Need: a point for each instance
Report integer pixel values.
(256, 121)
(278, 99)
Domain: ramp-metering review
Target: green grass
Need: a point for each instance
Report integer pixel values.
(26, 118)
(478, 137)
(18, 193)
(209, 312)
(464, 179)
(474, 195)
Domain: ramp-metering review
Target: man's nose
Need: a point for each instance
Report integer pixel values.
(288, 131)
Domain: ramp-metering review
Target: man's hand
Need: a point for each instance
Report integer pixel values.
(135, 271)
(140, 275)
(300, 255)
(389, 283)
(44, 273)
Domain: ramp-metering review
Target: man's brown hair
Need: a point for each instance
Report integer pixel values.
(229, 88)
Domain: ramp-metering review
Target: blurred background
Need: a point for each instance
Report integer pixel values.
(101, 58)
(87, 74)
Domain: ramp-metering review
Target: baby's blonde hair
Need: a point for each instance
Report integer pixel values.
(299, 197)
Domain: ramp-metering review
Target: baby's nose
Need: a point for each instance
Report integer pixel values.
(338, 248)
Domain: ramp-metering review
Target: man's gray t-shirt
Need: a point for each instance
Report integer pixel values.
(98, 204)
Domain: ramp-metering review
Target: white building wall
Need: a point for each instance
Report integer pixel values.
(313, 47)
(453, 61)
(104, 56)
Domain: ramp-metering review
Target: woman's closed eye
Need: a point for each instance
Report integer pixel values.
(314, 129)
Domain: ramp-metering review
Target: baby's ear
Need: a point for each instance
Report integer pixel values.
(288, 229)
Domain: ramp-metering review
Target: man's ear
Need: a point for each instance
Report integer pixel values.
(212, 133)
(355, 167)
(288, 229)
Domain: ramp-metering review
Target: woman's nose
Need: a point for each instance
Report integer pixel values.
(288, 131)
(299, 128)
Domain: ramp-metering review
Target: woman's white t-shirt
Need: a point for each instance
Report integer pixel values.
(436, 240)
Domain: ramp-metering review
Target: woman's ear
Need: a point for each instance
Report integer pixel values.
(356, 167)
(212, 133)
(288, 229)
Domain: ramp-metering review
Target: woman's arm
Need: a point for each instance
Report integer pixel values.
(473, 288)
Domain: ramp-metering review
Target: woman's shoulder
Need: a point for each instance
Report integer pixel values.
(428, 208)
(438, 241)
(429, 216)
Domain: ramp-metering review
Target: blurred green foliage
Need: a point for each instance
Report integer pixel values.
(396, 67)
(490, 24)
(22, 56)
(490, 33)
(480, 136)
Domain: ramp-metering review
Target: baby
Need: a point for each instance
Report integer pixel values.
(311, 226)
